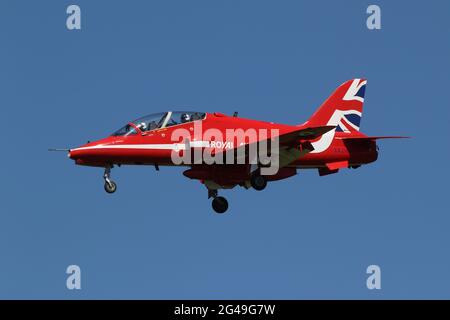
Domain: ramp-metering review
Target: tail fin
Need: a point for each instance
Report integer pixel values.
(343, 108)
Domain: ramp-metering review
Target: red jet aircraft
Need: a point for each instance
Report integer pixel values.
(218, 148)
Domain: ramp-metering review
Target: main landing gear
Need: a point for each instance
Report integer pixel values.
(219, 204)
(110, 186)
(258, 182)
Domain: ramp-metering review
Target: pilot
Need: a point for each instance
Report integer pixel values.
(142, 126)
(185, 117)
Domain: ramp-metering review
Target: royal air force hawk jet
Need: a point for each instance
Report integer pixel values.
(226, 151)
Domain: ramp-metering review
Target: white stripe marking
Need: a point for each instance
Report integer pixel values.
(170, 146)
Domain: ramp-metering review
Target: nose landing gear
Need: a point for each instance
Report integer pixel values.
(219, 204)
(110, 186)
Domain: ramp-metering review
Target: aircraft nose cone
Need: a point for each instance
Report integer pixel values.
(75, 154)
(72, 154)
(78, 153)
(90, 153)
(81, 156)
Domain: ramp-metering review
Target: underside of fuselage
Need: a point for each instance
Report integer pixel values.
(343, 154)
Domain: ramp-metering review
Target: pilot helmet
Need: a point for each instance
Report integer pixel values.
(185, 117)
(142, 126)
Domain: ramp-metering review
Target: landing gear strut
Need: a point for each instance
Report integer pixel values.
(219, 204)
(110, 186)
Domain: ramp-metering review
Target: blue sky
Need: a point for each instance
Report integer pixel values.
(157, 237)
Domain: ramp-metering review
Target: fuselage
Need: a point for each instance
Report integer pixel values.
(156, 146)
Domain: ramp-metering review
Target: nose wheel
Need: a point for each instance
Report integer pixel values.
(110, 186)
(219, 204)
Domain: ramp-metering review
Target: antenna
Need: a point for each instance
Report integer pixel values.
(58, 149)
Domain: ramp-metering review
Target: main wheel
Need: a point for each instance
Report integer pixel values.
(220, 204)
(110, 187)
(258, 182)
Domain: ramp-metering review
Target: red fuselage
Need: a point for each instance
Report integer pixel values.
(127, 150)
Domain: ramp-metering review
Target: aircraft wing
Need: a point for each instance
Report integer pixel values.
(304, 134)
(292, 139)
(292, 145)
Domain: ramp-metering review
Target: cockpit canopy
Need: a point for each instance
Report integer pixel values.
(159, 120)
